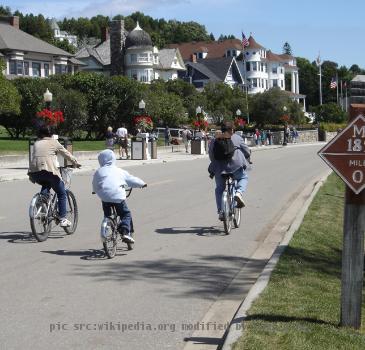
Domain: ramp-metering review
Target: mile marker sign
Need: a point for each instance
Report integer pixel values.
(345, 154)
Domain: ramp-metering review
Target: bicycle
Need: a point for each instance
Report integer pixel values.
(109, 231)
(43, 210)
(231, 214)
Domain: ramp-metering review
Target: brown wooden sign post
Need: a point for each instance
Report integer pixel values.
(345, 154)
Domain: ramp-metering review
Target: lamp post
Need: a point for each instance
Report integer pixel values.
(285, 138)
(142, 106)
(198, 110)
(238, 113)
(47, 98)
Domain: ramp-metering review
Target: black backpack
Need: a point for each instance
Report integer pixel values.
(223, 149)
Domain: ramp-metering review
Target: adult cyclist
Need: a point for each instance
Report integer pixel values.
(229, 155)
(44, 169)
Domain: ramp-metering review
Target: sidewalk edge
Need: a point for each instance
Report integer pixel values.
(234, 332)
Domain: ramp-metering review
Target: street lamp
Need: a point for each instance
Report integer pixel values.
(47, 98)
(238, 113)
(142, 105)
(285, 138)
(198, 110)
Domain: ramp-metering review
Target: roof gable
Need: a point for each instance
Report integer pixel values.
(215, 49)
(15, 39)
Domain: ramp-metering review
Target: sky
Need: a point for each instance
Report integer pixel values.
(332, 28)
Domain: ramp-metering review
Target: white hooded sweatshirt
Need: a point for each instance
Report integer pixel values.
(109, 180)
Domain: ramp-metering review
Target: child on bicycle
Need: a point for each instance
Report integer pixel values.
(109, 184)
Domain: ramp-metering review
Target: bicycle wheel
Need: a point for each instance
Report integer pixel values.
(72, 213)
(110, 239)
(227, 220)
(237, 217)
(39, 221)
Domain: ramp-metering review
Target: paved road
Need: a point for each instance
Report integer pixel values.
(59, 293)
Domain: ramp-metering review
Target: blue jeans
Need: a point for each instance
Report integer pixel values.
(48, 181)
(239, 175)
(123, 212)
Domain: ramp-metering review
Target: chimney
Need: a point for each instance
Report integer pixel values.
(12, 20)
(104, 34)
(193, 58)
(117, 47)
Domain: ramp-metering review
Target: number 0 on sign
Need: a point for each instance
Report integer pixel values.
(345, 154)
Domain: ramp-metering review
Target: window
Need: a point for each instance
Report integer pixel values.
(254, 65)
(46, 69)
(60, 68)
(262, 67)
(133, 58)
(143, 57)
(274, 82)
(175, 61)
(12, 67)
(144, 76)
(247, 66)
(26, 68)
(69, 68)
(36, 68)
(254, 82)
(282, 83)
(19, 67)
(274, 69)
(134, 74)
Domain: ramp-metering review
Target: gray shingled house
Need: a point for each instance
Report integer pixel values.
(26, 55)
(214, 70)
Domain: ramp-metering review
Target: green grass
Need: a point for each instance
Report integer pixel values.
(300, 308)
(8, 147)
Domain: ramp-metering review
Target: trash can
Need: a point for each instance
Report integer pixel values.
(197, 146)
(138, 149)
(63, 140)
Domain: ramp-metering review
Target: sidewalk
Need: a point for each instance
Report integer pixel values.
(15, 167)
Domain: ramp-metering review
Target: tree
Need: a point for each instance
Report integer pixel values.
(5, 11)
(308, 80)
(330, 113)
(287, 49)
(64, 45)
(9, 104)
(268, 108)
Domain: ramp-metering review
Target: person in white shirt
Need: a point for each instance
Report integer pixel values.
(122, 134)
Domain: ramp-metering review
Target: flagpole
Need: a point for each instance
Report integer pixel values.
(337, 86)
(319, 64)
(341, 97)
(346, 97)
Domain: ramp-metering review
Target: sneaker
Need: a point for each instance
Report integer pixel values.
(65, 223)
(221, 216)
(127, 239)
(239, 200)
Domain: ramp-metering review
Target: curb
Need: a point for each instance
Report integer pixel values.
(234, 332)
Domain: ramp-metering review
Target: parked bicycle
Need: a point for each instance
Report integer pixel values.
(109, 233)
(231, 214)
(43, 210)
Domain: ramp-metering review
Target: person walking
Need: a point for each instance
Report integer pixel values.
(122, 140)
(167, 135)
(186, 136)
(109, 138)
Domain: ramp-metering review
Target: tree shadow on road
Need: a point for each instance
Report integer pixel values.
(88, 254)
(195, 277)
(195, 230)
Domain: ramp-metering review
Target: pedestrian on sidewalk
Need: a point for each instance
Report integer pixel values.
(186, 136)
(167, 135)
(110, 138)
(122, 140)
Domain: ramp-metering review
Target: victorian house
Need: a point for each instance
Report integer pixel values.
(260, 68)
(131, 54)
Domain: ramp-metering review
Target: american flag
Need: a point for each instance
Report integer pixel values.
(244, 41)
(333, 84)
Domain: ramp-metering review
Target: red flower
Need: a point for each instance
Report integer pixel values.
(143, 122)
(239, 122)
(51, 118)
(285, 118)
